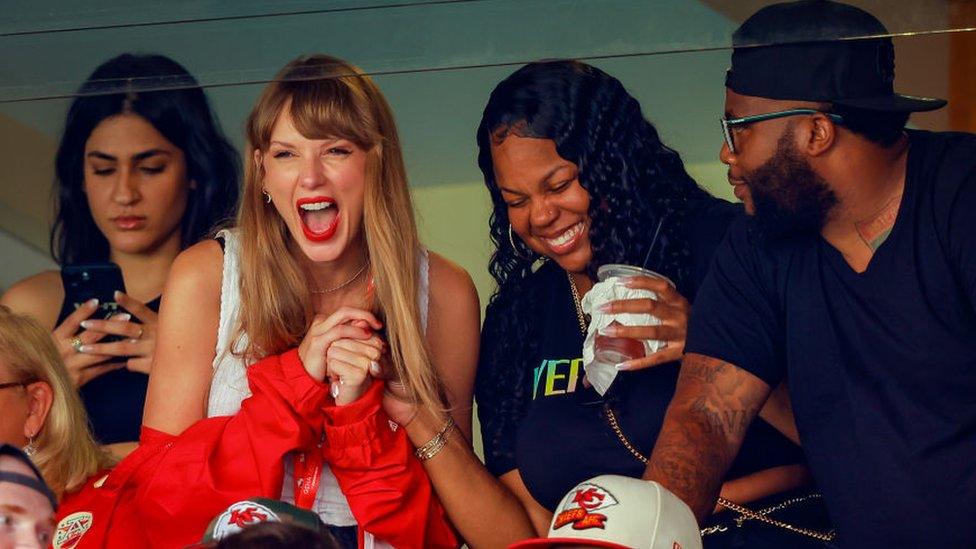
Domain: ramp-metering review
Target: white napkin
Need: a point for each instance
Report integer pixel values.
(612, 289)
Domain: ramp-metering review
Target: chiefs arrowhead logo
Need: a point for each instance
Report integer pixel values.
(592, 497)
(239, 516)
(579, 509)
(71, 529)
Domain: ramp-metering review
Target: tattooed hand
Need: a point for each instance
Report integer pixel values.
(713, 404)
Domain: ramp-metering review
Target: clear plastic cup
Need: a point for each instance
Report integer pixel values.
(614, 350)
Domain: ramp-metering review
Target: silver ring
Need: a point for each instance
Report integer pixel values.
(76, 343)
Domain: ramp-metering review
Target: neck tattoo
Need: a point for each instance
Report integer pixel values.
(875, 230)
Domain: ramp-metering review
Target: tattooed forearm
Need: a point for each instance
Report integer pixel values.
(721, 422)
(713, 405)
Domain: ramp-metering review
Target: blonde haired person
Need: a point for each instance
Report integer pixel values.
(41, 409)
(325, 257)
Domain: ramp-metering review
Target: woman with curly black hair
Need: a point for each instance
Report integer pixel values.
(578, 179)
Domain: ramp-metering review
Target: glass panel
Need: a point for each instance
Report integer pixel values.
(436, 61)
(47, 51)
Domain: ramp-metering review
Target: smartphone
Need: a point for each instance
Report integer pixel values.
(94, 280)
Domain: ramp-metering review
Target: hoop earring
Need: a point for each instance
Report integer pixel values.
(267, 197)
(31, 447)
(518, 253)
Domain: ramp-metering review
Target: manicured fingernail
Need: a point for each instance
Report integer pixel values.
(86, 324)
(92, 302)
(335, 390)
(622, 366)
(374, 368)
(609, 331)
(124, 317)
(116, 295)
(604, 308)
(84, 348)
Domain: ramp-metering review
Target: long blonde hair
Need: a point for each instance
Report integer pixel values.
(330, 98)
(66, 453)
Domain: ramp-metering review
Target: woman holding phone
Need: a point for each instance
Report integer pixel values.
(141, 174)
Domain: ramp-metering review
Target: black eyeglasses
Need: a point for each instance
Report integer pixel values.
(728, 124)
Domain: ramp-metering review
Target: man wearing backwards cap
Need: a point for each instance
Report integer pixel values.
(26, 503)
(856, 281)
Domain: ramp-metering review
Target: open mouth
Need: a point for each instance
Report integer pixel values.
(566, 240)
(319, 216)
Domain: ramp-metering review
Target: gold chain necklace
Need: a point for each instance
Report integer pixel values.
(744, 512)
(354, 278)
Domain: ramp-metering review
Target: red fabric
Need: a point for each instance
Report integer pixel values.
(166, 492)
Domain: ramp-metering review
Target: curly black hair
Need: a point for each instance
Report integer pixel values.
(635, 183)
(179, 110)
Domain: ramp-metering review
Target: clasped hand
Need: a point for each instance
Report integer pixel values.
(344, 349)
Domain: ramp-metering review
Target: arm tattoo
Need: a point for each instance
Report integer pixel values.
(713, 405)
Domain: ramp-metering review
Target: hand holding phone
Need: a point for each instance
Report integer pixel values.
(137, 342)
(108, 339)
(81, 367)
(99, 281)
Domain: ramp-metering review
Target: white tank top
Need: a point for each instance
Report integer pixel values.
(228, 386)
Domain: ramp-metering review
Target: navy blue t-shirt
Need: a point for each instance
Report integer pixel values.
(881, 364)
(563, 437)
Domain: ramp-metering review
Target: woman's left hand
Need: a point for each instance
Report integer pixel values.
(139, 344)
(670, 307)
(349, 364)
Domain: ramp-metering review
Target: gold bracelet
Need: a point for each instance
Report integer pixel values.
(434, 445)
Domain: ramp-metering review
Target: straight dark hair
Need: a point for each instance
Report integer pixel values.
(176, 106)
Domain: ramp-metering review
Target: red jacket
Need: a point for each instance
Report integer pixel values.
(166, 492)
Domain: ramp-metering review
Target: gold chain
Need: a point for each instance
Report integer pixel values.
(761, 516)
(744, 512)
(354, 278)
(577, 301)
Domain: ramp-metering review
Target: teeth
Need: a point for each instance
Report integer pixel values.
(316, 206)
(567, 236)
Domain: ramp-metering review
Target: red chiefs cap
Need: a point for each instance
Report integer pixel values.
(621, 513)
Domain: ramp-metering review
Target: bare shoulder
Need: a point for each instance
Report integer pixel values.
(202, 263)
(450, 284)
(39, 296)
(193, 286)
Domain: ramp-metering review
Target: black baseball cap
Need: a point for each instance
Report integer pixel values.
(819, 50)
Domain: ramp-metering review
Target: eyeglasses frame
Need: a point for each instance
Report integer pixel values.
(728, 123)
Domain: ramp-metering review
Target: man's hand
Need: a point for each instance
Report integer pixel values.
(713, 404)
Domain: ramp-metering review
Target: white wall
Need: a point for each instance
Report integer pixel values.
(19, 260)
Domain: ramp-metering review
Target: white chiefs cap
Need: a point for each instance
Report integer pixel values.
(623, 513)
